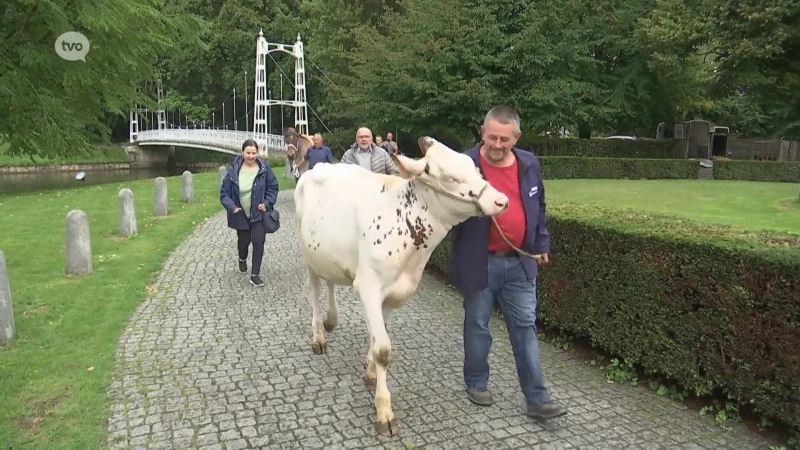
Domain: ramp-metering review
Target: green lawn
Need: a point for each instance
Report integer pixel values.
(746, 204)
(102, 154)
(55, 374)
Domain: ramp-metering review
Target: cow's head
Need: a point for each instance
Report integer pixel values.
(452, 174)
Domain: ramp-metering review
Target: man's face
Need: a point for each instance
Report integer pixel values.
(364, 138)
(498, 139)
(378, 140)
(389, 137)
(317, 140)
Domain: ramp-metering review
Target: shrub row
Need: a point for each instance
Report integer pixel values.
(276, 161)
(604, 148)
(704, 305)
(786, 172)
(560, 167)
(556, 167)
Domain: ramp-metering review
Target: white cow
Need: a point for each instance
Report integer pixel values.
(376, 233)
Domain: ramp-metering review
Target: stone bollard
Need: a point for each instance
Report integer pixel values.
(160, 203)
(222, 172)
(188, 187)
(79, 245)
(127, 213)
(6, 311)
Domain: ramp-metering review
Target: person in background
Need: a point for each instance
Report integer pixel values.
(248, 192)
(488, 270)
(390, 145)
(318, 153)
(379, 142)
(368, 155)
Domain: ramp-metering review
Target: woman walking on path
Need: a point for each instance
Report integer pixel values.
(249, 191)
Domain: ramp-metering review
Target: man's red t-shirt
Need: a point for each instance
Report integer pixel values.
(512, 220)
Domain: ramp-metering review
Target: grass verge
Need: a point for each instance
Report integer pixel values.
(102, 153)
(54, 376)
(747, 204)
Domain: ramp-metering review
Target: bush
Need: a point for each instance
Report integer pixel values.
(555, 167)
(787, 172)
(704, 305)
(276, 161)
(604, 148)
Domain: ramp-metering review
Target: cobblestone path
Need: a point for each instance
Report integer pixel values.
(209, 361)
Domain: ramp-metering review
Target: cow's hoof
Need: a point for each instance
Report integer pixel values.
(370, 383)
(387, 429)
(319, 348)
(329, 326)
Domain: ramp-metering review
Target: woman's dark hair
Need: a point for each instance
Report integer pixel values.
(249, 143)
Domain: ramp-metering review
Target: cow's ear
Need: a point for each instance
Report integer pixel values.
(409, 167)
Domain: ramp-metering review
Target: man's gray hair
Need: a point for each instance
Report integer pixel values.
(504, 115)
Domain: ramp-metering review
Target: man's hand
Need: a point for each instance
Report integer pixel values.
(543, 258)
(262, 207)
(236, 210)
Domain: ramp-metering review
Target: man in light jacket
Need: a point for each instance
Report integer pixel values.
(368, 155)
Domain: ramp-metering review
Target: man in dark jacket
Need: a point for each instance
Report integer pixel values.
(318, 153)
(248, 192)
(486, 269)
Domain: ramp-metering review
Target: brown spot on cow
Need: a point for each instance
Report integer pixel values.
(383, 356)
(417, 231)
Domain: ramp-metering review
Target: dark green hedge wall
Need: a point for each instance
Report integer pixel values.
(787, 172)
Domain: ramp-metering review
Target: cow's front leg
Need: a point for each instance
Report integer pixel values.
(381, 349)
(319, 346)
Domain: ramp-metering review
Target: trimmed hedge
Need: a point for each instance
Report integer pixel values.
(559, 167)
(605, 148)
(786, 172)
(705, 305)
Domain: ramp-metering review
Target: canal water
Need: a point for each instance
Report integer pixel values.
(12, 183)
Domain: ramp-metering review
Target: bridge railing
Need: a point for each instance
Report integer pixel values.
(222, 139)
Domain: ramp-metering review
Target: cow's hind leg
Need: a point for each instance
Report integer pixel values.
(332, 316)
(370, 379)
(381, 348)
(319, 346)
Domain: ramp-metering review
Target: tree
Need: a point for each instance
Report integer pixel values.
(50, 106)
(753, 49)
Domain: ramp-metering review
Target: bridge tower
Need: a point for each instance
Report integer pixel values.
(161, 113)
(262, 103)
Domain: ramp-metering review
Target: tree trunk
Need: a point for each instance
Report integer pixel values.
(584, 131)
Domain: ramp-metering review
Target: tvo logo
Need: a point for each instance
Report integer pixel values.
(72, 46)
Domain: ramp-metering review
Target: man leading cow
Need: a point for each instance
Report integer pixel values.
(487, 269)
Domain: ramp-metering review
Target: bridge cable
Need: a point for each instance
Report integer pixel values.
(334, 84)
(309, 106)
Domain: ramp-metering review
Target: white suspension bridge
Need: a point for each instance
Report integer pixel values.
(164, 133)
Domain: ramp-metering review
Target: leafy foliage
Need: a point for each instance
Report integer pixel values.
(410, 66)
(52, 107)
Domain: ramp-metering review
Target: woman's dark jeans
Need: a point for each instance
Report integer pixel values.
(257, 234)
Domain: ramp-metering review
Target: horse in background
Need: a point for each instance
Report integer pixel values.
(297, 146)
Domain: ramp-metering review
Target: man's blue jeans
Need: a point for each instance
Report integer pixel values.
(509, 285)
